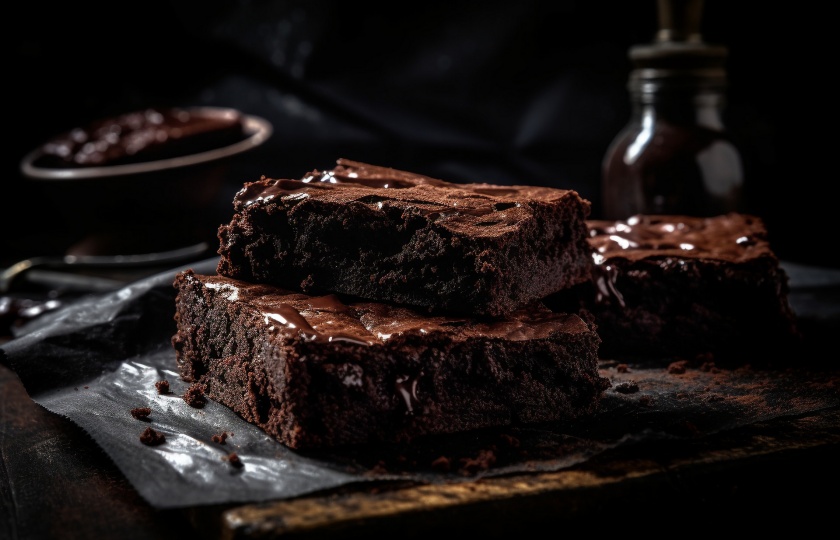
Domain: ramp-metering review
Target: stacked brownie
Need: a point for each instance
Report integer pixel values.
(365, 304)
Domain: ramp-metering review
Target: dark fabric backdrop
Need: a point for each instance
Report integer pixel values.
(506, 92)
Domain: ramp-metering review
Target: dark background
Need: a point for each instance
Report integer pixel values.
(504, 92)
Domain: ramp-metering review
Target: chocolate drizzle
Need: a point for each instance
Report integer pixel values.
(328, 318)
(732, 237)
(483, 206)
(406, 388)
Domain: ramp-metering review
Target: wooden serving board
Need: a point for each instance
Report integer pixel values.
(786, 468)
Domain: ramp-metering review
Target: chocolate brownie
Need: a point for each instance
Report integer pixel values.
(145, 135)
(686, 286)
(398, 237)
(324, 371)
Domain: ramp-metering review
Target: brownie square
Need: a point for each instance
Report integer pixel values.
(399, 237)
(665, 286)
(323, 371)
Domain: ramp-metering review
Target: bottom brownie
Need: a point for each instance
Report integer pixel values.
(665, 286)
(320, 372)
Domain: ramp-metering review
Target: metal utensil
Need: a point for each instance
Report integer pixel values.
(101, 261)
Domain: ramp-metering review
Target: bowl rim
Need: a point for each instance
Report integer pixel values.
(258, 129)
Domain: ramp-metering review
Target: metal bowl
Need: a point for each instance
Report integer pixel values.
(257, 131)
(144, 206)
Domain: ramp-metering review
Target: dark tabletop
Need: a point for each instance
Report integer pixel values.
(56, 482)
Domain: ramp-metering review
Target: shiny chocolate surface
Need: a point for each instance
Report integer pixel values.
(328, 318)
(731, 237)
(481, 208)
(671, 240)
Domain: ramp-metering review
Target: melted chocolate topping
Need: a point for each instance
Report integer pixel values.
(327, 318)
(670, 240)
(731, 237)
(485, 207)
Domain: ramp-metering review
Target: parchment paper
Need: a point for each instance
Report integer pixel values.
(99, 357)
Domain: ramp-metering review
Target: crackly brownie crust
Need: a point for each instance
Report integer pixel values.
(319, 372)
(686, 286)
(395, 236)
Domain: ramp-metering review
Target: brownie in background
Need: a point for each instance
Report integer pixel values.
(665, 286)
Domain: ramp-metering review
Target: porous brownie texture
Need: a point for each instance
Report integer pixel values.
(399, 237)
(686, 286)
(320, 371)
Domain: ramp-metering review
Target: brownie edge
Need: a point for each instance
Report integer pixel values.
(320, 371)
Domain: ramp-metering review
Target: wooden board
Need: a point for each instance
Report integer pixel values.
(784, 468)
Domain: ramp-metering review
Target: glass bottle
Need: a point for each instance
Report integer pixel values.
(675, 155)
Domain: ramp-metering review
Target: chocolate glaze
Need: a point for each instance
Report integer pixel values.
(731, 237)
(327, 318)
(670, 240)
(143, 136)
(482, 208)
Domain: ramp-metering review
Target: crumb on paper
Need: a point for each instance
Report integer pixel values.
(234, 460)
(194, 396)
(162, 387)
(141, 413)
(151, 437)
(677, 368)
(220, 437)
(709, 367)
(485, 459)
(626, 387)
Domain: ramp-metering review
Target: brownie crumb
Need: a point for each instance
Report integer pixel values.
(627, 388)
(234, 460)
(220, 437)
(483, 461)
(141, 413)
(152, 437)
(677, 368)
(709, 367)
(442, 464)
(162, 387)
(622, 368)
(194, 396)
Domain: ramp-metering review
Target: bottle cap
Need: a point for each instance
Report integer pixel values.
(678, 52)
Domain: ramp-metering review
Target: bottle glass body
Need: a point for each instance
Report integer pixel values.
(673, 157)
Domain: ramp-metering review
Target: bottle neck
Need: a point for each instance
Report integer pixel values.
(688, 105)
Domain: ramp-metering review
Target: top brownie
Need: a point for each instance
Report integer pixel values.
(395, 236)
